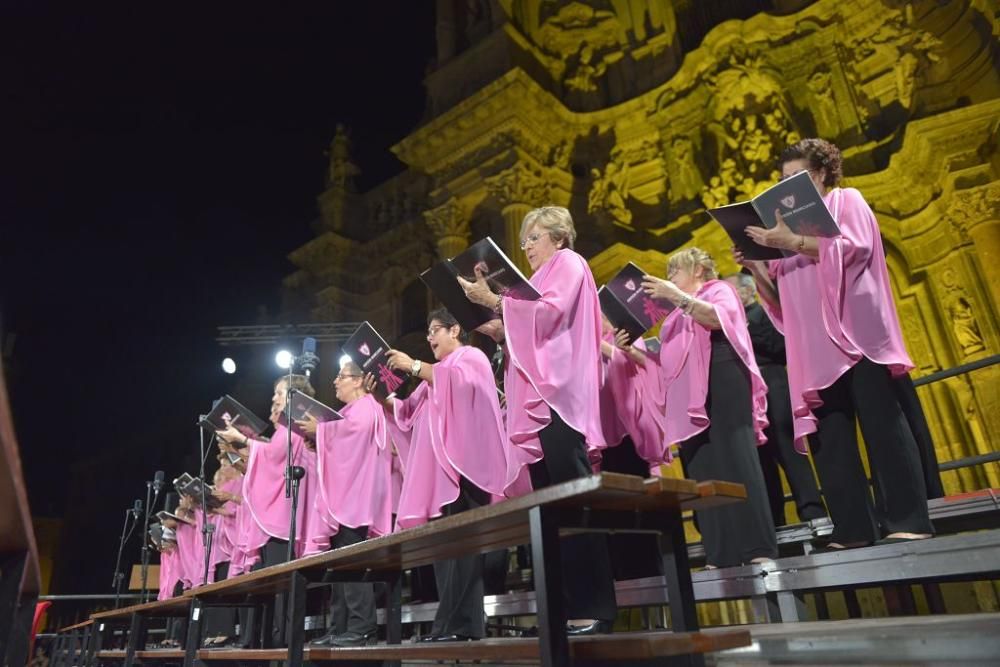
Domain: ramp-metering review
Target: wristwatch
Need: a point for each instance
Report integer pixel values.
(415, 369)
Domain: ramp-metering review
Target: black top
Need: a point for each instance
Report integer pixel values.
(768, 344)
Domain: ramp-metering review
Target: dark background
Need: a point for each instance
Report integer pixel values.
(159, 163)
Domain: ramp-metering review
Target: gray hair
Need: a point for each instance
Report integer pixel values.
(745, 285)
(555, 220)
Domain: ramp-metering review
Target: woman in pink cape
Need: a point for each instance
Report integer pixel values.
(552, 381)
(844, 347)
(219, 623)
(458, 457)
(354, 469)
(716, 403)
(263, 531)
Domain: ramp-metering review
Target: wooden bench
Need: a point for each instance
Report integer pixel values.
(601, 503)
(136, 617)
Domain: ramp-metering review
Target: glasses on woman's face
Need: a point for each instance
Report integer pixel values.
(530, 239)
(344, 376)
(433, 329)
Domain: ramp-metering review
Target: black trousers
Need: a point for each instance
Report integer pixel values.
(352, 605)
(588, 582)
(909, 402)
(727, 450)
(273, 552)
(219, 621)
(460, 580)
(779, 450)
(867, 392)
(633, 555)
(177, 627)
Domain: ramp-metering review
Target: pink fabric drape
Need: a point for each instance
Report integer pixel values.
(168, 574)
(685, 355)
(637, 394)
(224, 538)
(554, 353)
(455, 430)
(354, 475)
(836, 309)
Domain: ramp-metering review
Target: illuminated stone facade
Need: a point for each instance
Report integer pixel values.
(638, 115)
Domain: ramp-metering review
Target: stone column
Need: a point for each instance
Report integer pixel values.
(975, 214)
(517, 190)
(450, 227)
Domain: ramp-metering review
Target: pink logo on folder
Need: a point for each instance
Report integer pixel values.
(364, 349)
(630, 285)
(788, 202)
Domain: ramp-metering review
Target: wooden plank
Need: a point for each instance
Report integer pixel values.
(171, 607)
(160, 654)
(716, 493)
(75, 627)
(622, 646)
(111, 655)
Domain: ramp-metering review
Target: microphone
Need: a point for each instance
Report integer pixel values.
(308, 361)
(158, 481)
(136, 508)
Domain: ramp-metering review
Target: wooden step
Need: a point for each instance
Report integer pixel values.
(716, 493)
(622, 646)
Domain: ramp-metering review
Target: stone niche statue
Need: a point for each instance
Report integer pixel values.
(609, 192)
(961, 316)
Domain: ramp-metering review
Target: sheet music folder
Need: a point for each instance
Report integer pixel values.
(627, 307)
(227, 411)
(303, 407)
(801, 206)
(502, 274)
(367, 349)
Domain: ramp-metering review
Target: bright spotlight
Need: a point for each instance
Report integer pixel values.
(228, 365)
(284, 359)
(344, 360)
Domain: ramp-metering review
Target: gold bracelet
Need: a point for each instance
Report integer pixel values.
(802, 243)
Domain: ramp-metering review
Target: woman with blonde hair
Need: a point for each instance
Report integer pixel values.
(716, 402)
(552, 379)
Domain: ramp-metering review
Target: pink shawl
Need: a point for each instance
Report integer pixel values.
(612, 426)
(190, 557)
(168, 574)
(456, 430)
(637, 393)
(836, 309)
(354, 472)
(685, 355)
(223, 541)
(264, 493)
(554, 353)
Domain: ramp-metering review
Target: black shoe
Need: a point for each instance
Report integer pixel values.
(899, 540)
(595, 628)
(451, 638)
(351, 638)
(425, 639)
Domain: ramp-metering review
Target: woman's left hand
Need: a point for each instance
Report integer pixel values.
(658, 288)
(478, 291)
(623, 341)
(779, 236)
(230, 435)
(369, 382)
(400, 361)
(307, 425)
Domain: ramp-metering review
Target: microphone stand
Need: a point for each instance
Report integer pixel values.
(293, 473)
(145, 541)
(206, 528)
(116, 582)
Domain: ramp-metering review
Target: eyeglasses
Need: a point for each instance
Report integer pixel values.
(342, 376)
(434, 329)
(530, 239)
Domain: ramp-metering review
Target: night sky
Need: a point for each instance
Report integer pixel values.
(159, 163)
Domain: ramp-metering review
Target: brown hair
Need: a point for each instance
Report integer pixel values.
(446, 318)
(555, 220)
(820, 154)
(300, 383)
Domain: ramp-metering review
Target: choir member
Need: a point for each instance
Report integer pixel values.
(263, 534)
(832, 301)
(552, 380)
(769, 351)
(354, 499)
(716, 403)
(220, 622)
(458, 457)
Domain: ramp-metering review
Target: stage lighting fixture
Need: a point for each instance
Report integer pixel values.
(344, 360)
(228, 365)
(284, 359)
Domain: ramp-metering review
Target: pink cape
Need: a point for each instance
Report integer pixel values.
(847, 290)
(554, 349)
(612, 426)
(264, 494)
(224, 538)
(168, 574)
(455, 430)
(685, 356)
(190, 557)
(354, 473)
(637, 395)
